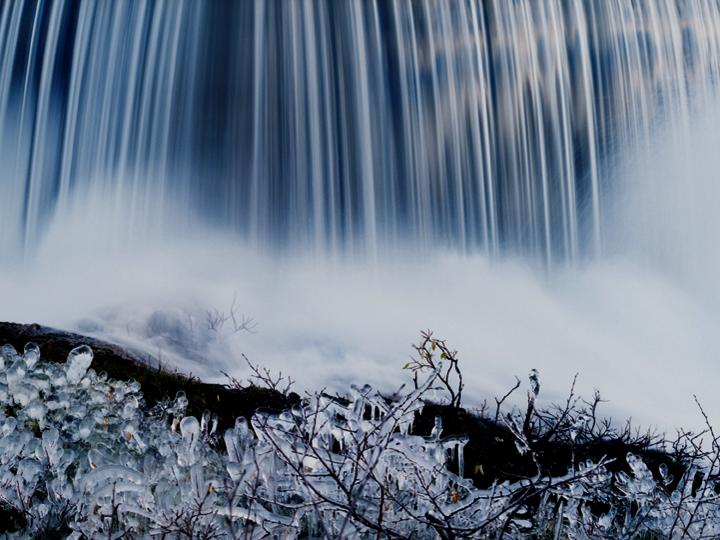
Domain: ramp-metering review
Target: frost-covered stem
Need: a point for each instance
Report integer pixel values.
(321, 496)
(559, 421)
(23, 508)
(248, 529)
(536, 488)
(500, 401)
(704, 484)
(559, 521)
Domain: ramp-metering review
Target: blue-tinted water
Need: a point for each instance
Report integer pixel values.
(345, 126)
(169, 156)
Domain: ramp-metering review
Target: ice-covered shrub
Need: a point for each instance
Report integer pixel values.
(81, 455)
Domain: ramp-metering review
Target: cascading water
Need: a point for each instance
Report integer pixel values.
(484, 125)
(160, 158)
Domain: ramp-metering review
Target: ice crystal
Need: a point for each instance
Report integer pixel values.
(80, 453)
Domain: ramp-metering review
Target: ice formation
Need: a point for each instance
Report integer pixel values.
(83, 455)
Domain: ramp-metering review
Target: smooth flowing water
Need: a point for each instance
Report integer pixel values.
(346, 126)
(535, 179)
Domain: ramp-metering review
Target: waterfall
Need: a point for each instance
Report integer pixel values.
(353, 126)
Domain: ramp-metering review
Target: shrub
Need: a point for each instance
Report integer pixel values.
(81, 456)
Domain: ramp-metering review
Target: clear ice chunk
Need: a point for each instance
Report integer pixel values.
(31, 355)
(78, 362)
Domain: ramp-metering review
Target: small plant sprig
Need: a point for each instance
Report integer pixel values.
(261, 377)
(433, 354)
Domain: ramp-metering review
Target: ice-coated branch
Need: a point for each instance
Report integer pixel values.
(80, 454)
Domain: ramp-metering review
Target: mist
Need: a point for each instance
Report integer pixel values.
(639, 323)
